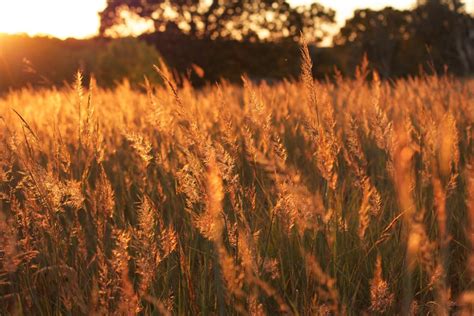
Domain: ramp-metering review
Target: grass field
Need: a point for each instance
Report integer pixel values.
(304, 198)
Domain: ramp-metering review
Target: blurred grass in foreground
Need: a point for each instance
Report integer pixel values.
(297, 198)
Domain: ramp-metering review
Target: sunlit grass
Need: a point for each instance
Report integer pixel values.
(297, 198)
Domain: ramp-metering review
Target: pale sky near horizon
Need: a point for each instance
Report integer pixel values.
(78, 18)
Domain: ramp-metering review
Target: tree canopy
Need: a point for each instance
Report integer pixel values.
(235, 19)
(436, 30)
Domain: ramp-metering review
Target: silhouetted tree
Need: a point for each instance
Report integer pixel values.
(437, 31)
(454, 5)
(234, 19)
(448, 31)
(379, 34)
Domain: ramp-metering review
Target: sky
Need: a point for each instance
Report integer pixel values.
(79, 19)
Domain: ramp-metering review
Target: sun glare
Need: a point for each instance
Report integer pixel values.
(59, 18)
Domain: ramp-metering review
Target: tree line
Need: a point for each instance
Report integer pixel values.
(217, 38)
(397, 42)
(438, 33)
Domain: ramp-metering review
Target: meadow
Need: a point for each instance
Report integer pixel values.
(346, 196)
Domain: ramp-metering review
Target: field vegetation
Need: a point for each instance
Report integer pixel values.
(350, 196)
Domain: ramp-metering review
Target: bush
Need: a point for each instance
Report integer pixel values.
(127, 58)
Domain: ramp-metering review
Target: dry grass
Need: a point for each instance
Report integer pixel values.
(298, 198)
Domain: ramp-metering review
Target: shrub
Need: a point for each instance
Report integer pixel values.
(127, 58)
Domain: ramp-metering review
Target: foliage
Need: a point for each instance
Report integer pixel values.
(47, 62)
(42, 61)
(239, 19)
(397, 41)
(126, 58)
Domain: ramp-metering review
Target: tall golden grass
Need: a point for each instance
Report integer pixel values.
(304, 198)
